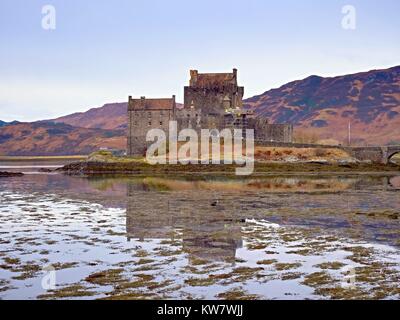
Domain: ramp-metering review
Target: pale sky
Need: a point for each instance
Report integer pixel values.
(102, 51)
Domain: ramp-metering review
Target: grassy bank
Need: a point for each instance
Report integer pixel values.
(138, 167)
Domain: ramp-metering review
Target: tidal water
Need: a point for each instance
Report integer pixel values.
(199, 237)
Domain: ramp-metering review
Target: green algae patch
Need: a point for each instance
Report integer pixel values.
(246, 270)
(65, 265)
(144, 261)
(220, 276)
(236, 294)
(318, 279)
(132, 296)
(107, 277)
(200, 282)
(141, 253)
(267, 262)
(331, 265)
(136, 284)
(340, 293)
(198, 262)
(287, 266)
(291, 276)
(360, 254)
(73, 291)
(27, 270)
(9, 260)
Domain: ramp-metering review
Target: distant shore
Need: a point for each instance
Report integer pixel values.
(41, 158)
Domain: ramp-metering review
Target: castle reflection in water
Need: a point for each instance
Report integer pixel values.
(207, 227)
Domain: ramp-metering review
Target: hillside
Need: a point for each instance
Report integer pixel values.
(46, 138)
(110, 116)
(323, 107)
(3, 123)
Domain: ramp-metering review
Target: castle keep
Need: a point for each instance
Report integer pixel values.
(211, 101)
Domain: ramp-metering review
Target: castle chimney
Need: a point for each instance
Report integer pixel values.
(235, 72)
(193, 77)
(173, 104)
(129, 102)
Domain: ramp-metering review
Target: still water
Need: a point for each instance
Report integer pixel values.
(292, 237)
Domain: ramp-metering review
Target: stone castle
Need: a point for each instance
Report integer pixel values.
(211, 101)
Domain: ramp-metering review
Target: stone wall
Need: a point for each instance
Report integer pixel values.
(144, 115)
(272, 132)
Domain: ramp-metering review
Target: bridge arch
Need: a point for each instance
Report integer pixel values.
(392, 154)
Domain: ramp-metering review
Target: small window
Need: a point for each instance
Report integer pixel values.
(149, 114)
(149, 123)
(160, 123)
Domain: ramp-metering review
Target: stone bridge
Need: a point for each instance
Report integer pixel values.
(378, 154)
(374, 154)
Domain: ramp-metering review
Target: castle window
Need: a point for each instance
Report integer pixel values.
(149, 123)
(160, 123)
(149, 114)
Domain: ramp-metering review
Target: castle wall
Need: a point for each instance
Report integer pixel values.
(141, 120)
(273, 132)
(211, 101)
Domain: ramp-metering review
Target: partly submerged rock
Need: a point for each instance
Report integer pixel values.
(10, 174)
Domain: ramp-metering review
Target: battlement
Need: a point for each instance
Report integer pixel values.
(151, 104)
(212, 80)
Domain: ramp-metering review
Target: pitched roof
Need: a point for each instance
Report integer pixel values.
(152, 104)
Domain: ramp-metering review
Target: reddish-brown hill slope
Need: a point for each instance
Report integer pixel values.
(110, 116)
(46, 138)
(370, 101)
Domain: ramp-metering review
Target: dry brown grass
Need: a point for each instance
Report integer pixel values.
(302, 154)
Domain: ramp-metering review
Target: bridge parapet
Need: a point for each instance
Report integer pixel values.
(377, 154)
